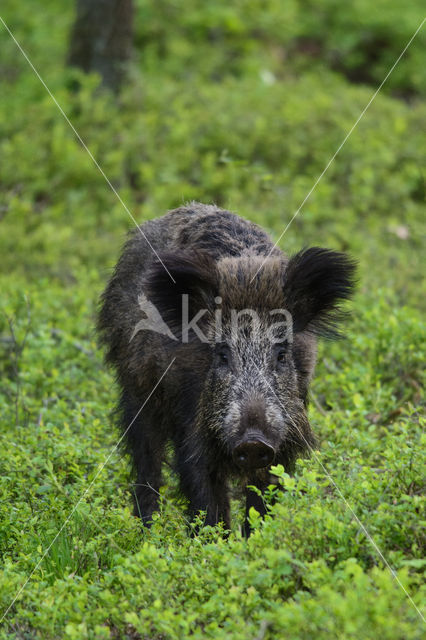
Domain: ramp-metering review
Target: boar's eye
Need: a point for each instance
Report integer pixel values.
(222, 355)
(280, 353)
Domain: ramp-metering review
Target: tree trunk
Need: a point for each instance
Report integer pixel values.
(101, 39)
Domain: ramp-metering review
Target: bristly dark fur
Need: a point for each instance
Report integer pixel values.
(216, 397)
(316, 281)
(194, 275)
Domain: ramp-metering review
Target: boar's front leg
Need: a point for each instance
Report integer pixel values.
(146, 442)
(205, 486)
(254, 500)
(148, 481)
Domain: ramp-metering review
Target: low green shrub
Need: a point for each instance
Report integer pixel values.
(244, 105)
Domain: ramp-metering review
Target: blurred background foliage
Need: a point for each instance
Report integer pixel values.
(242, 104)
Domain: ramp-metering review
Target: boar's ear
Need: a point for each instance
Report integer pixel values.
(194, 275)
(316, 281)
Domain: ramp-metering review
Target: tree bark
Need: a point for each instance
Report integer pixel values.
(101, 39)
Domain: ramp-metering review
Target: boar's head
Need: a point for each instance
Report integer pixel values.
(255, 321)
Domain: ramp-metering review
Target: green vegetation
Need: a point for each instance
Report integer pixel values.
(242, 104)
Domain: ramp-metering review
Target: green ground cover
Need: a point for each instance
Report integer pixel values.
(242, 104)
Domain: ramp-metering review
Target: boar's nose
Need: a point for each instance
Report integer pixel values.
(253, 454)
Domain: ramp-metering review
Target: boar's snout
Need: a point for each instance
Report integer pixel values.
(253, 453)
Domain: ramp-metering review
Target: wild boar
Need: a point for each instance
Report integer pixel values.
(212, 332)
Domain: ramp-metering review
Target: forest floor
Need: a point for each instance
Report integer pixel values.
(242, 104)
